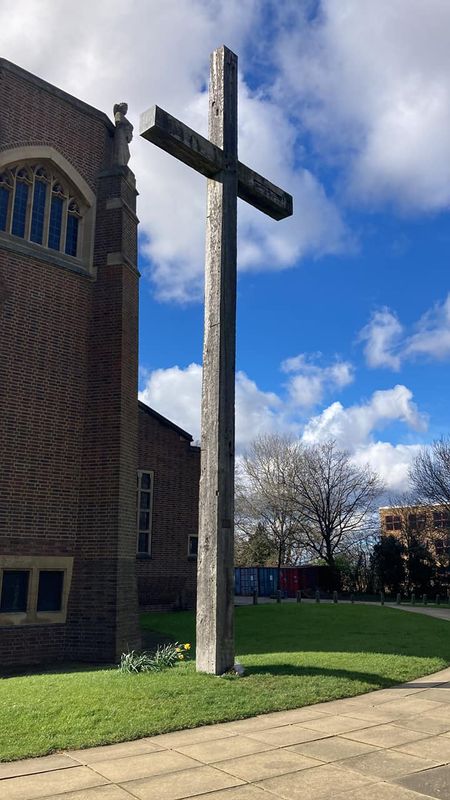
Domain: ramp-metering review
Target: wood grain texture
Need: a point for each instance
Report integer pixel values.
(215, 584)
(176, 138)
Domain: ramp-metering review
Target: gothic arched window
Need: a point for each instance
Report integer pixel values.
(38, 204)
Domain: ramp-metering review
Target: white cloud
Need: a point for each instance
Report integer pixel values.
(387, 345)
(371, 82)
(382, 335)
(391, 462)
(308, 386)
(352, 427)
(158, 52)
(433, 333)
(176, 393)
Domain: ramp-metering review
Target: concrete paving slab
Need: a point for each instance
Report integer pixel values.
(382, 791)
(277, 718)
(177, 786)
(387, 764)
(246, 792)
(144, 765)
(44, 784)
(286, 735)
(108, 792)
(436, 748)
(28, 766)
(221, 749)
(426, 723)
(191, 736)
(334, 724)
(440, 695)
(431, 783)
(321, 783)
(333, 748)
(411, 705)
(91, 755)
(265, 765)
(385, 735)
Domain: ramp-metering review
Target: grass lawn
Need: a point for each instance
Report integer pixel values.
(294, 655)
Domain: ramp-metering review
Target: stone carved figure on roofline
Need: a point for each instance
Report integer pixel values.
(122, 135)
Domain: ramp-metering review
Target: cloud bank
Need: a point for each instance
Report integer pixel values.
(176, 393)
(388, 345)
(358, 93)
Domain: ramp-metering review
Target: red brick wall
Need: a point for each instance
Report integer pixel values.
(176, 464)
(68, 384)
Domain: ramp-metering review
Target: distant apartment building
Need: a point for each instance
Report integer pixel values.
(428, 523)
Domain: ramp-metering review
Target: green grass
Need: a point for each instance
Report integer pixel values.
(294, 655)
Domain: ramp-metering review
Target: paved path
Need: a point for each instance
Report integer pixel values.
(439, 613)
(393, 744)
(442, 612)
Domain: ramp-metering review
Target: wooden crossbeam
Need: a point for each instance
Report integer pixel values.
(176, 138)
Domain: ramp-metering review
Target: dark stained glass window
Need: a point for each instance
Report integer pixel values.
(43, 210)
(50, 590)
(20, 209)
(4, 202)
(37, 217)
(54, 231)
(14, 591)
(72, 235)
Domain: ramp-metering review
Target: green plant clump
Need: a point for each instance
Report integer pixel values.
(165, 656)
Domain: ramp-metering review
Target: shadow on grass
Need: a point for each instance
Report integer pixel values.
(321, 628)
(315, 672)
(65, 668)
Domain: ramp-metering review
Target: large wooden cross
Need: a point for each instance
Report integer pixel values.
(228, 179)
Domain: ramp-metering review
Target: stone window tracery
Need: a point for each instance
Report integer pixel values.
(37, 204)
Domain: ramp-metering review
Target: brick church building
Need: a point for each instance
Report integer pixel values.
(75, 545)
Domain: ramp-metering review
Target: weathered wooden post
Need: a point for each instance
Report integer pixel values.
(228, 178)
(399, 599)
(255, 597)
(335, 597)
(278, 595)
(299, 596)
(425, 600)
(317, 596)
(413, 599)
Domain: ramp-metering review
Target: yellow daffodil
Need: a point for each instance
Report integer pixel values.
(187, 646)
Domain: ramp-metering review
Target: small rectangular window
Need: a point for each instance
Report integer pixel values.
(193, 546)
(417, 522)
(14, 591)
(393, 523)
(441, 519)
(50, 590)
(144, 505)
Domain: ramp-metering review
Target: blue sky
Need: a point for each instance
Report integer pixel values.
(343, 318)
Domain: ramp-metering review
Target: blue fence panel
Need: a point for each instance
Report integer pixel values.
(237, 580)
(268, 582)
(249, 580)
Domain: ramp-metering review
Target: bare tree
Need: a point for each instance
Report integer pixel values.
(264, 495)
(430, 473)
(309, 500)
(335, 501)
